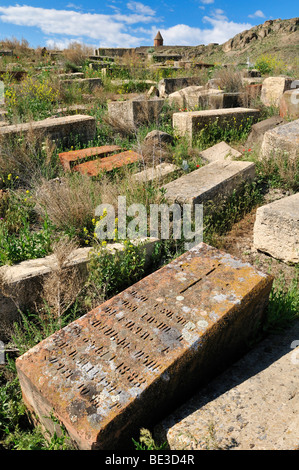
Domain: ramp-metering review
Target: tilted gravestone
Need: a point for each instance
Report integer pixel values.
(64, 130)
(129, 361)
(212, 182)
(281, 140)
(191, 123)
(132, 113)
(276, 229)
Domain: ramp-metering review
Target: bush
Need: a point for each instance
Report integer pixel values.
(268, 64)
(229, 79)
(32, 99)
(76, 54)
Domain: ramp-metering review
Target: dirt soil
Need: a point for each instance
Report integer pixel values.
(239, 242)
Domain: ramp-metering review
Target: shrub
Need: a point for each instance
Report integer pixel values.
(76, 54)
(69, 203)
(32, 99)
(114, 272)
(229, 79)
(267, 64)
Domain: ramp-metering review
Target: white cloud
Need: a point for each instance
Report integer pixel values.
(140, 8)
(110, 30)
(221, 31)
(207, 2)
(73, 5)
(257, 14)
(117, 29)
(219, 14)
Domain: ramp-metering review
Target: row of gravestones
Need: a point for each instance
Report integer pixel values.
(104, 372)
(163, 337)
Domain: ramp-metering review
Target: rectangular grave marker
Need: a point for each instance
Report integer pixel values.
(94, 167)
(65, 129)
(191, 123)
(214, 181)
(136, 356)
(67, 159)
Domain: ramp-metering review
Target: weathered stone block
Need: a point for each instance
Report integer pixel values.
(252, 405)
(224, 100)
(139, 354)
(67, 76)
(24, 281)
(289, 104)
(157, 137)
(190, 123)
(132, 113)
(193, 97)
(273, 88)
(253, 91)
(155, 173)
(91, 83)
(95, 167)
(68, 159)
(283, 139)
(186, 98)
(65, 129)
(276, 229)
(253, 73)
(169, 85)
(211, 182)
(258, 130)
(220, 151)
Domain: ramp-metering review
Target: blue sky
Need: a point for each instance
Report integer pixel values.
(128, 23)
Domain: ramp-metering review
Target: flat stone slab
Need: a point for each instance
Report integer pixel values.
(76, 156)
(258, 130)
(211, 182)
(191, 123)
(90, 82)
(276, 229)
(132, 113)
(25, 279)
(94, 167)
(273, 88)
(139, 354)
(59, 129)
(193, 97)
(254, 405)
(221, 151)
(155, 173)
(169, 85)
(71, 75)
(283, 139)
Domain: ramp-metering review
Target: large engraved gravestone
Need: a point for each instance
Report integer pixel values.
(134, 358)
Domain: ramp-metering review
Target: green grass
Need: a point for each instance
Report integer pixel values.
(283, 306)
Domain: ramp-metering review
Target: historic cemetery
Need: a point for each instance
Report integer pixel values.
(119, 328)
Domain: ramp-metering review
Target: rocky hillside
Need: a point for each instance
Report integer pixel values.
(266, 33)
(275, 37)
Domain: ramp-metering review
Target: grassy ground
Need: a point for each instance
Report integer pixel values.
(34, 223)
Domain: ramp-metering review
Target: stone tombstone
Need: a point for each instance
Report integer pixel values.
(276, 229)
(273, 89)
(136, 356)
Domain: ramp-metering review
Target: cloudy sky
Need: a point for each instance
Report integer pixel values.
(128, 23)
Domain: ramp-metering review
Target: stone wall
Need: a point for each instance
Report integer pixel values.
(64, 130)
